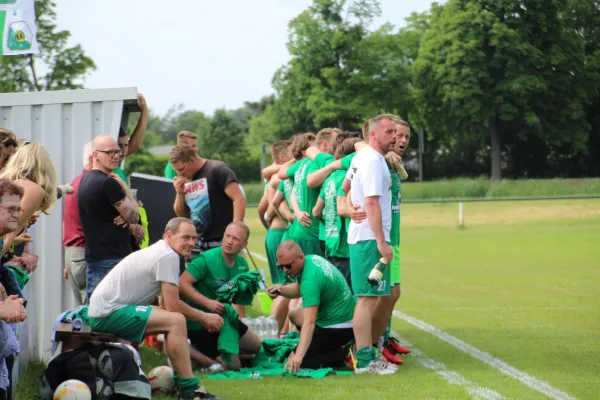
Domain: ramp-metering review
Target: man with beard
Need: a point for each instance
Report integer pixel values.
(371, 186)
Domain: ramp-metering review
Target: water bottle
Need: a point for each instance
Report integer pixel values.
(273, 328)
(261, 328)
(377, 272)
(250, 323)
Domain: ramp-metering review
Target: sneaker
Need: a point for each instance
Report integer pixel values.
(394, 345)
(391, 356)
(381, 359)
(199, 394)
(375, 367)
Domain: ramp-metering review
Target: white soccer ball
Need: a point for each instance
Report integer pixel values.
(161, 380)
(72, 390)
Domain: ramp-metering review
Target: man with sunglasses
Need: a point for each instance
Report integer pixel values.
(102, 198)
(325, 318)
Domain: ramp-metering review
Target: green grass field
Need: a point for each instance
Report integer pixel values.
(517, 287)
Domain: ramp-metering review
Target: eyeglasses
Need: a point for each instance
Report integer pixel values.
(111, 153)
(12, 209)
(288, 266)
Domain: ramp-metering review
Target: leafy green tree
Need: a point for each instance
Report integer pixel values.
(67, 66)
(321, 86)
(507, 68)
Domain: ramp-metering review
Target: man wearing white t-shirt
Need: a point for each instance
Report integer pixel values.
(371, 186)
(120, 303)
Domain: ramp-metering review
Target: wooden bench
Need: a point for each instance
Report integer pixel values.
(73, 338)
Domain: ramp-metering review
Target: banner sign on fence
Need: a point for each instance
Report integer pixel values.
(17, 27)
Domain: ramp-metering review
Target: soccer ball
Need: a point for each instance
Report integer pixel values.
(161, 380)
(72, 390)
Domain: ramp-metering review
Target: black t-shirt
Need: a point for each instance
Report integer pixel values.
(211, 209)
(97, 195)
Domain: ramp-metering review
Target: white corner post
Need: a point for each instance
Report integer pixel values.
(461, 216)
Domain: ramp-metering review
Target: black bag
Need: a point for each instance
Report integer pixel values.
(112, 371)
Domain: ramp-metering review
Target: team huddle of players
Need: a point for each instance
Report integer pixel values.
(337, 196)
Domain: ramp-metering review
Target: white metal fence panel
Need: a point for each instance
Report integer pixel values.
(63, 122)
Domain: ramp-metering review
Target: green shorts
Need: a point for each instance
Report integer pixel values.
(310, 246)
(395, 266)
(363, 257)
(272, 241)
(128, 323)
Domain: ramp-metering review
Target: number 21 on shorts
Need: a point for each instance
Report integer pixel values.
(382, 286)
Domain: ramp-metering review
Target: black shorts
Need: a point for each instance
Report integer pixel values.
(328, 348)
(343, 265)
(208, 343)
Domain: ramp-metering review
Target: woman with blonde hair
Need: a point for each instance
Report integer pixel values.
(8, 145)
(30, 168)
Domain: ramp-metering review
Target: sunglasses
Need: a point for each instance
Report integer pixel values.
(287, 266)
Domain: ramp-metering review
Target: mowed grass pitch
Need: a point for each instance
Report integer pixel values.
(520, 282)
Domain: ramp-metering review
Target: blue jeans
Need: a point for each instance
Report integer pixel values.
(96, 271)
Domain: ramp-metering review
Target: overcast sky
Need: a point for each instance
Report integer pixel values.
(205, 54)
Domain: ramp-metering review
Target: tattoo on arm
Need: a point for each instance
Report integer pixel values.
(128, 209)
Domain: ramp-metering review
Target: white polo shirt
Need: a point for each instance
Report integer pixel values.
(370, 176)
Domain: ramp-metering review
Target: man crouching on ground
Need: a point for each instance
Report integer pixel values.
(325, 318)
(120, 303)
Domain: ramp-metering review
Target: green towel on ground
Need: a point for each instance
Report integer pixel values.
(277, 350)
(240, 289)
(270, 361)
(259, 373)
(229, 339)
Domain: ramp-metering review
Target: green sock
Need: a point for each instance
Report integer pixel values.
(189, 385)
(374, 353)
(386, 334)
(363, 356)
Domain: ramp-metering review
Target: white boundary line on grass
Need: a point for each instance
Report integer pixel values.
(526, 379)
(452, 377)
(259, 256)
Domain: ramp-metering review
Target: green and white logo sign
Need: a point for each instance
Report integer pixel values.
(17, 27)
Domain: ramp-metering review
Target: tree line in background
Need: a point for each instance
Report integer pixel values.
(497, 88)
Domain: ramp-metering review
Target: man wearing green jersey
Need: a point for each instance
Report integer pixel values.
(325, 318)
(321, 155)
(199, 284)
(303, 198)
(278, 220)
(277, 225)
(336, 235)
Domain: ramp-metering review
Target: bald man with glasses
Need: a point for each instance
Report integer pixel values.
(108, 211)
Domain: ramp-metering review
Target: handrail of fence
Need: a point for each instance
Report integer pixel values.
(484, 199)
(461, 201)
